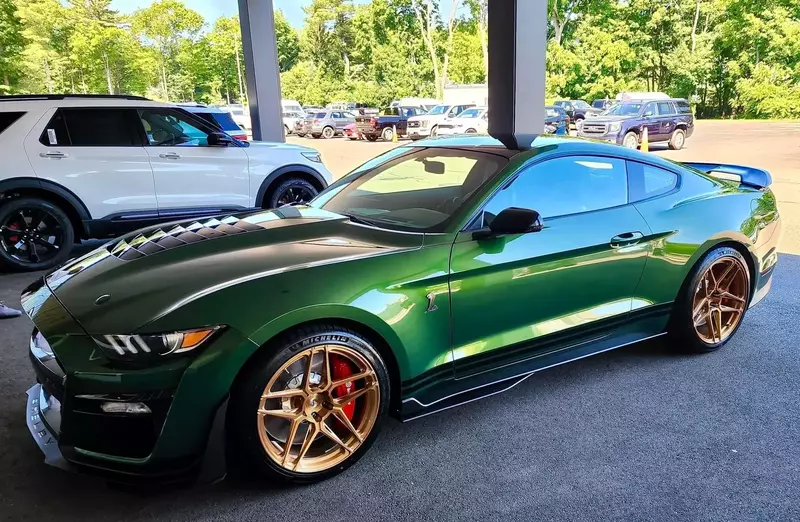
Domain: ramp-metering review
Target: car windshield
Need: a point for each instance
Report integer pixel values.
(439, 109)
(470, 113)
(390, 111)
(623, 109)
(581, 104)
(417, 189)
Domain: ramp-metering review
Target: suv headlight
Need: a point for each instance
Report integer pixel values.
(137, 347)
(615, 126)
(316, 157)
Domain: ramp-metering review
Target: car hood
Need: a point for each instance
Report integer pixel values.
(606, 119)
(266, 146)
(149, 273)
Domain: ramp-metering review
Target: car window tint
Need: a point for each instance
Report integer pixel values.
(8, 118)
(684, 108)
(166, 128)
(99, 128)
(56, 131)
(650, 110)
(647, 181)
(563, 186)
(665, 108)
(224, 120)
(321, 115)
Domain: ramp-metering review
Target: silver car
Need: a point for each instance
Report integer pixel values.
(327, 123)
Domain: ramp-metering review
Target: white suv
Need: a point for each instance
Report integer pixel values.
(99, 166)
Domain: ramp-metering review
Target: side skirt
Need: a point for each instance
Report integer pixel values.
(442, 393)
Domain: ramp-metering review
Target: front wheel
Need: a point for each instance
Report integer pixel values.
(630, 141)
(434, 131)
(34, 235)
(292, 191)
(712, 305)
(311, 406)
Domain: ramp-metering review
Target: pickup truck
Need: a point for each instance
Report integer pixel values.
(383, 124)
(577, 110)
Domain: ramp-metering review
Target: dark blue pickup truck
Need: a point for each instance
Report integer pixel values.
(667, 120)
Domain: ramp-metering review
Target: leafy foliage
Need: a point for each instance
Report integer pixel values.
(730, 58)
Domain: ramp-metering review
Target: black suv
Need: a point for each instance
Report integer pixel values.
(669, 120)
(577, 110)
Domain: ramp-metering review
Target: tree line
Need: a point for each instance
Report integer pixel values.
(730, 58)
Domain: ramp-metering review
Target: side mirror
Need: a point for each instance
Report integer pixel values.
(219, 139)
(512, 220)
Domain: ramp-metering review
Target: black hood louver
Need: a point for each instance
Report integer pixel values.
(159, 240)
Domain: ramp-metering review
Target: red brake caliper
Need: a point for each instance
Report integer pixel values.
(341, 369)
(13, 226)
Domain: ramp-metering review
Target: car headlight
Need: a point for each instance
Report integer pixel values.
(316, 157)
(136, 347)
(615, 126)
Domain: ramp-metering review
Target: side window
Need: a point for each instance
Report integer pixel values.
(684, 108)
(7, 119)
(168, 128)
(665, 108)
(564, 186)
(647, 181)
(56, 131)
(91, 127)
(650, 109)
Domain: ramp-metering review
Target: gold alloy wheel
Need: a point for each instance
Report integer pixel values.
(720, 299)
(310, 420)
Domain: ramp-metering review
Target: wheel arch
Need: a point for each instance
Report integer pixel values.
(57, 194)
(721, 242)
(276, 176)
(372, 328)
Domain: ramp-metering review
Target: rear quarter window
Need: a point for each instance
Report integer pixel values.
(7, 119)
(647, 181)
(683, 107)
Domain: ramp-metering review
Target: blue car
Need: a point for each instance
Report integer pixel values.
(556, 120)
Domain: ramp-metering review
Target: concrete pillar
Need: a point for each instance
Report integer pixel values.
(261, 68)
(517, 51)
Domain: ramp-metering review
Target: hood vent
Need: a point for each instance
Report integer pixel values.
(158, 240)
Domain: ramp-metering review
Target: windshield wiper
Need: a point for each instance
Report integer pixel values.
(359, 220)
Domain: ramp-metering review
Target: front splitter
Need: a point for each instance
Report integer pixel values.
(39, 429)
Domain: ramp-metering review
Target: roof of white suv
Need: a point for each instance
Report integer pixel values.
(27, 101)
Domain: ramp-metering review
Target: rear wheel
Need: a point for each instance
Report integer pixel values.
(328, 133)
(372, 138)
(34, 235)
(312, 407)
(713, 302)
(291, 191)
(677, 139)
(631, 140)
(387, 134)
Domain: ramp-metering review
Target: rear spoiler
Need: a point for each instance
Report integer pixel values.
(749, 176)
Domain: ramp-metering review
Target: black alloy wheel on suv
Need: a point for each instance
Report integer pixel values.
(34, 235)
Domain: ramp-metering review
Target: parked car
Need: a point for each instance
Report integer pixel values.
(383, 124)
(556, 121)
(603, 104)
(326, 123)
(669, 120)
(351, 132)
(435, 275)
(80, 167)
(577, 110)
(428, 124)
(424, 104)
(241, 115)
(474, 120)
(290, 121)
(218, 117)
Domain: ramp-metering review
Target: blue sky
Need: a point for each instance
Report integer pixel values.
(213, 9)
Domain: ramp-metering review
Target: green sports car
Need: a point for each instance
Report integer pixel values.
(436, 274)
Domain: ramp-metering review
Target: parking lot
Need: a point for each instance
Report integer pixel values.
(641, 433)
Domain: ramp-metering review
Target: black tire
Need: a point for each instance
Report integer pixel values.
(63, 235)
(242, 421)
(681, 328)
(677, 140)
(286, 130)
(300, 135)
(372, 138)
(315, 136)
(387, 134)
(471, 131)
(434, 131)
(328, 133)
(301, 187)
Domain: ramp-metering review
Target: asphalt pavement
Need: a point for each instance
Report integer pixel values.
(641, 433)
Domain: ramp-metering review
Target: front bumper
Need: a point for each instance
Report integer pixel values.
(181, 439)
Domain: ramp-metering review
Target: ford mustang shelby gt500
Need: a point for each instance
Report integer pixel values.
(433, 275)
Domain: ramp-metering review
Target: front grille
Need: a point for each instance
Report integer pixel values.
(159, 240)
(593, 129)
(413, 124)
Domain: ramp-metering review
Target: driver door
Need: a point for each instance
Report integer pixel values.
(517, 296)
(192, 177)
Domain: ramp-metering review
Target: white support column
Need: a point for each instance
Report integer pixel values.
(517, 52)
(261, 68)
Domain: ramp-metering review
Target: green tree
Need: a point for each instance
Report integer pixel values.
(11, 45)
(288, 42)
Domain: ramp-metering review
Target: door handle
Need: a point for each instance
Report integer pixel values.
(628, 238)
(53, 154)
(170, 155)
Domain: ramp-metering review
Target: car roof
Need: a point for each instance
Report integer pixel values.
(203, 109)
(30, 101)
